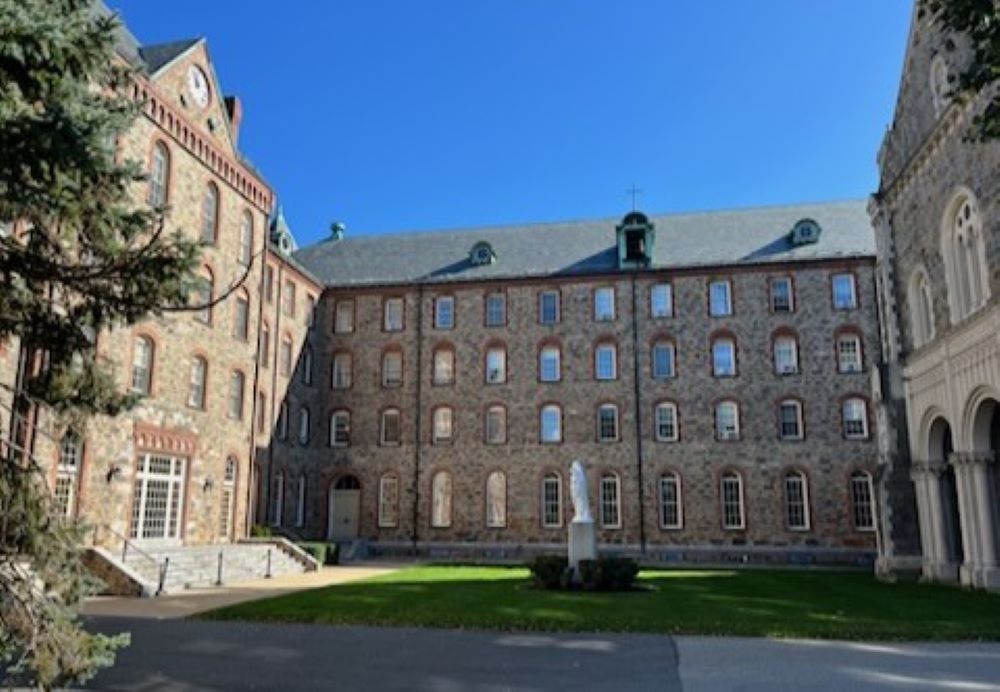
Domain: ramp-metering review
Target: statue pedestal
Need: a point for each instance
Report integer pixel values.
(582, 545)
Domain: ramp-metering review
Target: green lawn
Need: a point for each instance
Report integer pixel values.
(776, 603)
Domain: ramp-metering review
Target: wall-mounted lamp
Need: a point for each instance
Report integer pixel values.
(209, 484)
(114, 472)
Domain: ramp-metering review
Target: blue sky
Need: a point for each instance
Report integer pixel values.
(391, 116)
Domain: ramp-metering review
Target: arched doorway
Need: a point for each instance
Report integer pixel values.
(939, 448)
(344, 509)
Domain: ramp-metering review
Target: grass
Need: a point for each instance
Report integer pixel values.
(771, 603)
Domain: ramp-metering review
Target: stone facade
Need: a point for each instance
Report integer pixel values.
(759, 455)
(937, 217)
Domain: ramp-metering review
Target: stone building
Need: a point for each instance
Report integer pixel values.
(937, 221)
(711, 370)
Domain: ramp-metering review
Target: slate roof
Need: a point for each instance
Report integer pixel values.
(706, 239)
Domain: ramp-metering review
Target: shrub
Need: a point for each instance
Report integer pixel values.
(550, 571)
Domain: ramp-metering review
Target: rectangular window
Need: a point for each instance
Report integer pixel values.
(393, 315)
(392, 369)
(666, 423)
(611, 517)
(551, 501)
(388, 500)
(342, 375)
(670, 503)
(390, 427)
(496, 366)
(604, 304)
(844, 294)
(343, 317)
(548, 307)
(288, 298)
(496, 425)
(444, 312)
(796, 502)
(549, 364)
(720, 299)
(605, 365)
(781, 295)
(496, 310)
(607, 424)
(661, 301)
(790, 420)
(849, 353)
(663, 361)
(732, 503)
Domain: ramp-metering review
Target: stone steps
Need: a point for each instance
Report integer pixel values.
(198, 566)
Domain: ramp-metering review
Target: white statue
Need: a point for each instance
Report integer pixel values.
(578, 492)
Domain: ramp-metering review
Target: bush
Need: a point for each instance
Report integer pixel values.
(260, 531)
(608, 573)
(550, 571)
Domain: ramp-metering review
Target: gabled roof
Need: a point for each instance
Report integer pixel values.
(707, 239)
(158, 55)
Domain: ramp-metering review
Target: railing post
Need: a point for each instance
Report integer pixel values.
(163, 575)
(268, 574)
(218, 580)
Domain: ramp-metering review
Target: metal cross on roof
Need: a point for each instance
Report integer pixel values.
(633, 191)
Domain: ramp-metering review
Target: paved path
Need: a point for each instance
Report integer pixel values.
(187, 603)
(183, 655)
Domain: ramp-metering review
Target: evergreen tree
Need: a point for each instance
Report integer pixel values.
(89, 259)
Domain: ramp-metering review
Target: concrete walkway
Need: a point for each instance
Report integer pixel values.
(187, 603)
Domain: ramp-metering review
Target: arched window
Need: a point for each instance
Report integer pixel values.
(307, 366)
(550, 423)
(390, 428)
(921, 308)
(496, 500)
(277, 498)
(964, 253)
(388, 501)
(228, 497)
(786, 354)
(671, 508)
(665, 418)
(549, 364)
(241, 317)
(237, 384)
(444, 365)
(442, 425)
(663, 360)
(496, 425)
(727, 420)
(304, 425)
(206, 288)
(340, 428)
(607, 423)
(196, 388)
(159, 176)
(246, 239)
(862, 506)
(796, 501)
(143, 353)
(67, 475)
(724, 356)
(210, 213)
(731, 494)
(610, 501)
(552, 511)
(441, 500)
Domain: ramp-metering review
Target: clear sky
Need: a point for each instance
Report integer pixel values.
(391, 116)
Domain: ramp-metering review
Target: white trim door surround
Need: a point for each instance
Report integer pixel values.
(951, 379)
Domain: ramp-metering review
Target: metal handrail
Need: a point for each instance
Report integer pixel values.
(126, 543)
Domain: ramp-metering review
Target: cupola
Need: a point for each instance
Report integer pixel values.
(636, 239)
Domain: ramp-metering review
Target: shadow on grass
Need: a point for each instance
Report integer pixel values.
(828, 605)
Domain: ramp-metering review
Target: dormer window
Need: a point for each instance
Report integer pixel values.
(482, 253)
(805, 232)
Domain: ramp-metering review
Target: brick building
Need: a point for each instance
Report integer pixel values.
(937, 221)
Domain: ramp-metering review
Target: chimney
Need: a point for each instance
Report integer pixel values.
(234, 109)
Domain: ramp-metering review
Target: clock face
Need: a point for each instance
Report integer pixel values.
(198, 86)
